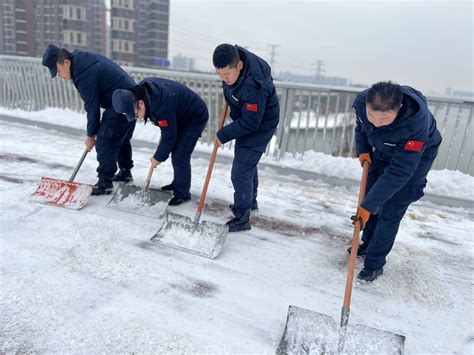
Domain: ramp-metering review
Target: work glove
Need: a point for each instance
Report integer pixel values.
(364, 157)
(362, 217)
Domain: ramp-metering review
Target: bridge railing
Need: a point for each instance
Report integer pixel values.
(312, 117)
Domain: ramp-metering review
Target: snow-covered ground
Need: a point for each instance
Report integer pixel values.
(90, 281)
(440, 182)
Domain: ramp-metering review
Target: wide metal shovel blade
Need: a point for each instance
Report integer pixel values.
(308, 332)
(132, 199)
(180, 232)
(62, 193)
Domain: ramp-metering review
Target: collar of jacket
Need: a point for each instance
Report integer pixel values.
(80, 62)
(244, 74)
(146, 91)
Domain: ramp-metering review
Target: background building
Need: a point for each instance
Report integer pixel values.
(28, 26)
(17, 35)
(70, 24)
(140, 32)
(183, 63)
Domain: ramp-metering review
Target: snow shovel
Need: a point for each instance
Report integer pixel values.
(63, 193)
(181, 232)
(143, 201)
(315, 333)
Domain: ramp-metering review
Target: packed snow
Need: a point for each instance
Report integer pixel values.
(91, 281)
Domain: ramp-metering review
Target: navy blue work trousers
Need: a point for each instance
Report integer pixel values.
(381, 229)
(244, 176)
(112, 147)
(181, 158)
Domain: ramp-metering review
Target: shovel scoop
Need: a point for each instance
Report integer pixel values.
(204, 238)
(309, 332)
(63, 193)
(134, 199)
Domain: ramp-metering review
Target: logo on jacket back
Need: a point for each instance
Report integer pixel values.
(414, 146)
(251, 107)
(163, 123)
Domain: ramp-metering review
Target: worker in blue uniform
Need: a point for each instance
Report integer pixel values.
(254, 109)
(96, 78)
(181, 116)
(396, 134)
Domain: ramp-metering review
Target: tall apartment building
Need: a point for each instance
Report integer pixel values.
(139, 32)
(28, 26)
(17, 27)
(71, 24)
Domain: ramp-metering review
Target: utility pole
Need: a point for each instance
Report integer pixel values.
(319, 70)
(272, 55)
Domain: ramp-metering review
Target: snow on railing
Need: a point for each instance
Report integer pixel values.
(312, 117)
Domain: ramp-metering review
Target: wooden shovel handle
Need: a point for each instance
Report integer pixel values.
(211, 163)
(355, 240)
(150, 171)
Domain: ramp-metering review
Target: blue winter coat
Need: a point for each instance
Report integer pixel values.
(96, 78)
(253, 103)
(404, 147)
(174, 108)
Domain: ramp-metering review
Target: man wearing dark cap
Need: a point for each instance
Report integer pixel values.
(255, 111)
(96, 77)
(181, 116)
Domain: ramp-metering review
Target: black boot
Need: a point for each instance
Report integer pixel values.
(168, 187)
(103, 187)
(369, 275)
(361, 249)
(176, 201)
(124, 175)
(241, 223)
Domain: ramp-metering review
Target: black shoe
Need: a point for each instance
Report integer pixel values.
(239, 224)
(176, 201)
(103, 188)
(168, 187)
(124, 175)
(361, 249)
(369, 275)
(253, 208)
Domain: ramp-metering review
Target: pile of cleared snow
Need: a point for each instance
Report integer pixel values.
(440, 182)
(51, 115)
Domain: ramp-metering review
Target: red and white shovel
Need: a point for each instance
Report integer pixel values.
(64, 193)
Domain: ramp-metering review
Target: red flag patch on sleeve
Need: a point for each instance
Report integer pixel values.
(414, 146)
(251, 107)
(163, 123)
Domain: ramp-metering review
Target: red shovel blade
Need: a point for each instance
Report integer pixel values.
(62, 193)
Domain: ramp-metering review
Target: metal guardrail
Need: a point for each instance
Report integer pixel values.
(312, 117)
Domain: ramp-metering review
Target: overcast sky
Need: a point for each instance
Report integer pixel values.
(425, 44)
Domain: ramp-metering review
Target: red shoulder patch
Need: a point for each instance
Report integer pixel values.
(251, 107)
(414, 146)
(163, 123)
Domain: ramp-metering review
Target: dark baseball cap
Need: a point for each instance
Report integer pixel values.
(50, 58)
(122, 101)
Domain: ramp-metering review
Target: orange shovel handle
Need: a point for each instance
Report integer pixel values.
(150, 171)
(211, 163)
(355, 240)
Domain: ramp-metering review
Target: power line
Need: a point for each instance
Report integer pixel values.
(319, 70)
(273, 54)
